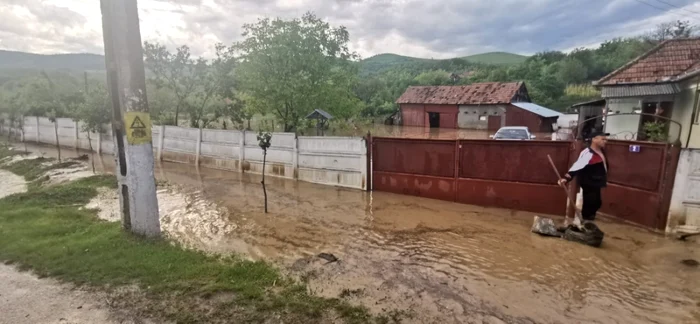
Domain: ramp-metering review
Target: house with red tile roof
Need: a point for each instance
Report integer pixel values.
(661, 82)
(489, 105)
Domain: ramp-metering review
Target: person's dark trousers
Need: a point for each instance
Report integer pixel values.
(591, 202)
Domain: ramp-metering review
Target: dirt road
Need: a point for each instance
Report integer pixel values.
(24, 298)
(435, 261)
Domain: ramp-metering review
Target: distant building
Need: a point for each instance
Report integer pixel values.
(487, 106)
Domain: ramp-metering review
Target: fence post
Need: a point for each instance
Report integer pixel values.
(38, 132)
(363, 166)
(76, 138)
(161, 142)
(198, 148)
(295, 158)
(241, 152)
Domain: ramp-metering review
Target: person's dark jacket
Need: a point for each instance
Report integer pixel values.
(590, 168)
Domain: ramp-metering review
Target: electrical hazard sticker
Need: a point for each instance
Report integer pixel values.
(138, 127)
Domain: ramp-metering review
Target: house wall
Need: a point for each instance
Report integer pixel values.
(516, 116)
(685, 201)
(448, 115)
(330, 160)
(413, 115)
(469, 116)
(622, 127)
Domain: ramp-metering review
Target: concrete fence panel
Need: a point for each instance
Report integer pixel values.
(220, 149)
(180, 144)
(337, 161)
(280, 155)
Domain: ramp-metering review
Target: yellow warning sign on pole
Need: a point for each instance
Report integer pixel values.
(138, 127)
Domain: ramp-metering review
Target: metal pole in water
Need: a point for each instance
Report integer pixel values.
(131, 123)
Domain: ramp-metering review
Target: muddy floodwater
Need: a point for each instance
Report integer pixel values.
(434, 261)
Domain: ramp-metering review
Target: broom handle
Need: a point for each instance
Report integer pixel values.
(554, 167)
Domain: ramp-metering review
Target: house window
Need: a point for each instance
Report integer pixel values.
(482, 118)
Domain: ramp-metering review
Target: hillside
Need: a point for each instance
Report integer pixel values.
(86, 62)
(382, 62)
(78, 61)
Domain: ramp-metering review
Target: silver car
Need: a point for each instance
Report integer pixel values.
(513, 133)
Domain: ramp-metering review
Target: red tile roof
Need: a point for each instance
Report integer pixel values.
(670, 61)
(473, 94)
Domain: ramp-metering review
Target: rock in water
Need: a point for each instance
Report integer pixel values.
(545, 226)
(328, 257)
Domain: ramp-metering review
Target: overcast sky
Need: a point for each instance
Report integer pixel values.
(423, 28)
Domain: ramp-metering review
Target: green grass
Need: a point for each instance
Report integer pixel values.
(45, 230)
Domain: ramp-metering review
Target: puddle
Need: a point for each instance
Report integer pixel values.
(440, 261)
(11, 184)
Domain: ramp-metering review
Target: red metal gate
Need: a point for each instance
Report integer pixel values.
(517, 175)
(640, 181)
(507, 174)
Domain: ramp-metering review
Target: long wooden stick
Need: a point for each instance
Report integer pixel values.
(571, 200)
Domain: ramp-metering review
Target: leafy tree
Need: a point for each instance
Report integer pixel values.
(290, 67)
(433, 78)
(95, 112)
(672, 30)
(174, 71)
(572, 71)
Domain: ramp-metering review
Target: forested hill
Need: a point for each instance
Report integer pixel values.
(83, 61)
(382, 62)
(78, 61)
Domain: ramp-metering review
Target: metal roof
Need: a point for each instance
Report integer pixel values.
(640, 90)
(597, 102)
(537, 109)
(319, 113)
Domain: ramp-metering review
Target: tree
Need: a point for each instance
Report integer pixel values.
(572, 71)
(94, 112)
(433, 78)
(176, 72)
(672, 30)
(264, 142)
(290, 67)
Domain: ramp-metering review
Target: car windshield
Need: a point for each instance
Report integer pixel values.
(512, 134)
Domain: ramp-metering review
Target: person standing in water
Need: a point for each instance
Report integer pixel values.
(591, 169)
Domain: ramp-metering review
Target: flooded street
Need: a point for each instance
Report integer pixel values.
(435, 261)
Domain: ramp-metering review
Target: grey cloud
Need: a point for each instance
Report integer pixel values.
(441, 28)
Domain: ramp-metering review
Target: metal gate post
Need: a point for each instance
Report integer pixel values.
(458, 148)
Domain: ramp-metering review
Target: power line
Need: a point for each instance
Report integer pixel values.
(678, 7)
(665, 9)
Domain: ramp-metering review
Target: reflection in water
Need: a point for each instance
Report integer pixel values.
(452, 262)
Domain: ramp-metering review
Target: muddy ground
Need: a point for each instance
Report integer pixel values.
(432, 261)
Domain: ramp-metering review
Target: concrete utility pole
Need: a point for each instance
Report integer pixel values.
(131, 122)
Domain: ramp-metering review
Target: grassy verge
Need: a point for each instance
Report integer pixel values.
(44, 230)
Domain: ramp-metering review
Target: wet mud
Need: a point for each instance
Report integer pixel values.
(433, 261)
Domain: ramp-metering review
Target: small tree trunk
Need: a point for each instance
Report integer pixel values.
(9, 132)
(92, 152)
(58, 145)
(24, 140)
(263, 179)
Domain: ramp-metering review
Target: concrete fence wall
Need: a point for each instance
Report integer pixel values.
(337, 161)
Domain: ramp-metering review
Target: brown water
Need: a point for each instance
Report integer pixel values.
(442, 262)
